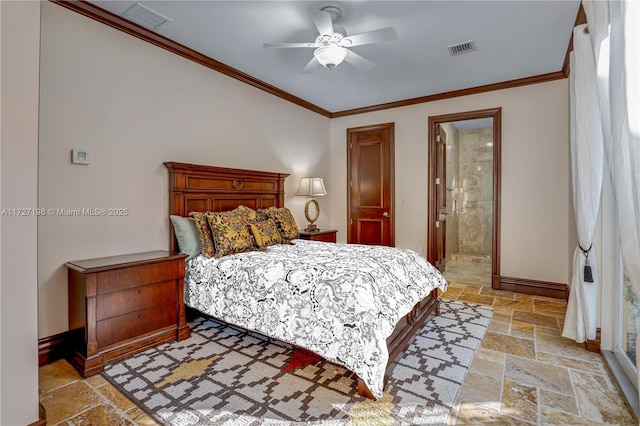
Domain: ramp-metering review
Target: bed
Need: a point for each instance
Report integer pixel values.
(197, 188)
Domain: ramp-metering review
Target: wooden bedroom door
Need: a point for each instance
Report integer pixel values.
(370, 185)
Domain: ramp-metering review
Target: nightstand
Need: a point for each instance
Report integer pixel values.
(327, 235)
(122, 305)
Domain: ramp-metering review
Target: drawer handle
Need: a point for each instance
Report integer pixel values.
(140, 316)
(139, 291)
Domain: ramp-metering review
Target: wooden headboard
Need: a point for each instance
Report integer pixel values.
(196, 188)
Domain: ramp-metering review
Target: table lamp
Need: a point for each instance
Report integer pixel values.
(311, 187)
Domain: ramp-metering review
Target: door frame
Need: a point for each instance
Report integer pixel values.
(432, 214)
(440, 199)
(392, 177)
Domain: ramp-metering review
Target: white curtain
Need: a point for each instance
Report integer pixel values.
(587, 157)
(614, 30)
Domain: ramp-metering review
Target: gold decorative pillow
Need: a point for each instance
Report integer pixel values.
(265, 233)
(230, 233)
(249, 216)
(247, 213)
(286, 223)
(205, 237)
(261, 214)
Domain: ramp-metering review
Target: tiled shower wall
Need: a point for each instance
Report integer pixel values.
(475, 169)
(470, 163)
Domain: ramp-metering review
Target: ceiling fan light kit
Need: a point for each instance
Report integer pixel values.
(331, 46)
(330, 56)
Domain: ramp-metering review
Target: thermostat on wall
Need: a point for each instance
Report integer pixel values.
(80, 156)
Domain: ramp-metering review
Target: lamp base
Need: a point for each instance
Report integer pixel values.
(311, 228)
(311, 219)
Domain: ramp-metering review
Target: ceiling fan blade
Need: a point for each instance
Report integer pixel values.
(322, 21)
(358, 62)
(375, 36)
(287, 45)
(310, 67)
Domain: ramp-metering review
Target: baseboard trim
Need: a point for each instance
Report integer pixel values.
(54, 348)
(593, 345)
(42, 414)
(534, 287)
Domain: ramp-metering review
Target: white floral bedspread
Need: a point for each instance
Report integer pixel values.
(340, 301)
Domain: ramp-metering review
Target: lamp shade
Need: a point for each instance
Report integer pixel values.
(311, 187)
(330, 56)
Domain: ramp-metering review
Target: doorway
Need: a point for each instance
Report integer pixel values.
(370, 180)
(464, 196)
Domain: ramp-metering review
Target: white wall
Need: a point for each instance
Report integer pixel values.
(535, 216)
(20, 38)
(134, 106)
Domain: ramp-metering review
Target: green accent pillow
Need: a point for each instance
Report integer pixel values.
(205, 237)
(266, 233)
(187, 235)
(230, 233)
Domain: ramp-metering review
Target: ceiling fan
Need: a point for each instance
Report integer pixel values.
(331, 45)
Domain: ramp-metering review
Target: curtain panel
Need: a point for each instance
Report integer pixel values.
(615, 35)
(587, 157)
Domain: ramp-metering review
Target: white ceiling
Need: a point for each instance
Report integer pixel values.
(513, 40)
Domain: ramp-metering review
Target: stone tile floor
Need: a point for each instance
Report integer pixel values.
(523, 373)
(468, 269)
(526, 373)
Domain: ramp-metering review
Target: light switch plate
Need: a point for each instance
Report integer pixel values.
(80, 156)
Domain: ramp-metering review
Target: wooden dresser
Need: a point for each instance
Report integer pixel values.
(122, 305)
(328, 235)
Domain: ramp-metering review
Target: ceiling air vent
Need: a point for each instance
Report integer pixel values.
(145, 17)
(460, 48)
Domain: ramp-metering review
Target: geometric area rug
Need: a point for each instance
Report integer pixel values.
(225, 376)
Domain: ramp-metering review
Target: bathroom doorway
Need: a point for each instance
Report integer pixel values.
(464, 196)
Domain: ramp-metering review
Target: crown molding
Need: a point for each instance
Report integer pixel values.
(94, 12)
(455, 93)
